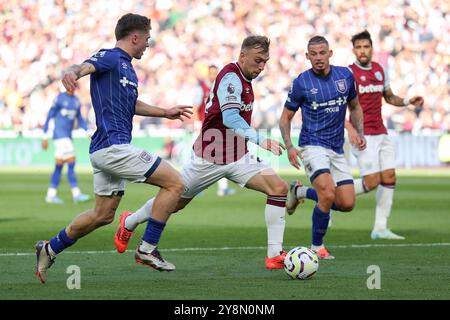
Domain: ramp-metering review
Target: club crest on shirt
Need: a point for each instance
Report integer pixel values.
(378, 75)
(247, 90)
(341, 85)
(230, 88)
(145, 157)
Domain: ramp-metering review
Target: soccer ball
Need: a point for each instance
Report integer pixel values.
(301, 263)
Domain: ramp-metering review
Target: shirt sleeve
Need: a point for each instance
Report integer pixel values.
(229, 92)
(103, 61)
(294, 98)
(233, 120)
(387, 82)
(51, 114)
(352, 87)
(81, 121)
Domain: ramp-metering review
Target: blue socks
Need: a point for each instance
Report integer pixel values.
(71, 174)
(56, 176)
(311, 194)
(61, 241)
(153, 231)
(320, 221)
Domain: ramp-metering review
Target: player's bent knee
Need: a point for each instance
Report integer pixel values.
(372, 183)
(280, 188)
(346, 207)
(326, 197)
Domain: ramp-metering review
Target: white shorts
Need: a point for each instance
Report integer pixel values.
(64, 148)
(317, 160)
(198, 174)
(378, 156)
(119, 163)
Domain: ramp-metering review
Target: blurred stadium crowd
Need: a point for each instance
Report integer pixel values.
(39, 38)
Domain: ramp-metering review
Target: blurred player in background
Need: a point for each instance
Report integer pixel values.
(377, 162)
(220, 151)
(65, 109)
(323, 93)
(199, 113)
(114, 95)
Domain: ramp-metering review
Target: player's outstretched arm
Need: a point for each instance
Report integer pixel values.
(394, 100)
(357, 121)
(285, 129)
(75, 72)
(176, 113)
(232, 120)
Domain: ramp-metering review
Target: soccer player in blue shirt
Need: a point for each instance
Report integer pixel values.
(65, 110)
(323, 94)
(114, 94)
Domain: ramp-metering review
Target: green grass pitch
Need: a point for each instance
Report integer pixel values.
(218, 246)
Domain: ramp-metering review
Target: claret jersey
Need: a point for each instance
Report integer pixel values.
(231, 90)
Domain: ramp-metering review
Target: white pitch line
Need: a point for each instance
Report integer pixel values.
(350, 246)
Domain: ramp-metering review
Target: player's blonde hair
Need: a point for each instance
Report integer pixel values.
(256, 42)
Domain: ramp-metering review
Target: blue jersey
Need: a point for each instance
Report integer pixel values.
(114, 91)
(323, 101)
(65, 110)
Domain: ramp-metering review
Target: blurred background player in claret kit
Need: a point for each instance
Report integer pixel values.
(203, 94)
(64, 111)
(377, 162)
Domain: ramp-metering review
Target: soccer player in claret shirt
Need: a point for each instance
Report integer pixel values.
(221, 151)
(65, 110)
(377, 162)
(323, 94)
(199, 112)
(114, 94)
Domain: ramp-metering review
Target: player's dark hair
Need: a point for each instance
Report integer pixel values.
(256, 42)
(317, 40)
(131, 22)
(365, 35)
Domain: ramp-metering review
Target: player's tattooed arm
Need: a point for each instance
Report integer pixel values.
(75, 72)
(357, 120)
(285, 126)
(285, 129)
(395, 100)
(356, 115)
(80, 70)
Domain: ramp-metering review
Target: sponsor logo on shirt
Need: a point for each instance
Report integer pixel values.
(124, 82)
(124, 65)
(314, 91)
(371, 88)
(330, 103)
(247, 107)
(68, 113)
